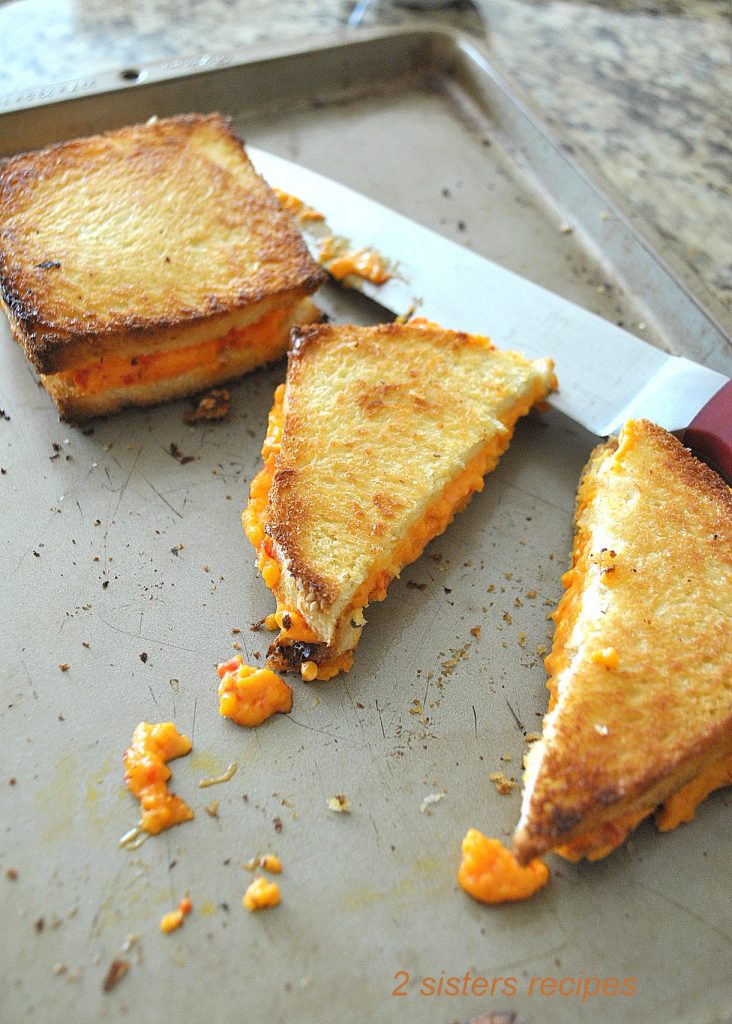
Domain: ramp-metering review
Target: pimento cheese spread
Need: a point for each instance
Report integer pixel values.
(260, 894)
(249, 695)
(491, 874)
(147, 774)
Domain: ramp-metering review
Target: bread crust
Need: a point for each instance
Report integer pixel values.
(131, 237)
(378, 423)
(642, 661)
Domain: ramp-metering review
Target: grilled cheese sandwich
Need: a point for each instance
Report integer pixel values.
(377, 438)
(148, 263)
(640, 710)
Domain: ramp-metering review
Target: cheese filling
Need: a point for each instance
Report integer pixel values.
(676, 809)
(115, 371)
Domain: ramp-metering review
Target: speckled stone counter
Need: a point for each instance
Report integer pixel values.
(642, 89)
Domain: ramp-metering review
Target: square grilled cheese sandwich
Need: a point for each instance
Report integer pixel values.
(377, 438)
(640, 711)
(147, 264)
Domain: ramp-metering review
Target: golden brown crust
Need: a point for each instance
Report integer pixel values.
(642, 670)
(138, 232)
(378, 422)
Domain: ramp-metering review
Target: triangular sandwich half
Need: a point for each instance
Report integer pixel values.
(640, 716)
(377, 438)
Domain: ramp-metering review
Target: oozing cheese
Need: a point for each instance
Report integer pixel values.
(341, 262)
(681, 805)
(113, 371)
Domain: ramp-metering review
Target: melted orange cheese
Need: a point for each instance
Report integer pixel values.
(491, 874)
(147, 774)
(169, 922)
(296, 207)
(113, 371)
(676, 809)
(681, 805)
(248, 695)
(261, 893)
(342, 262)
(293, 626)
(603, 840)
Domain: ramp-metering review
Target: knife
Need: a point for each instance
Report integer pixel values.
(606, 375)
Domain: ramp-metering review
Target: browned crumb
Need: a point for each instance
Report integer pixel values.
(12, 874)
(177, 454)
(507, 618)
(236, 630)
(64, 666)
(277, 822)
(476, 631)
(212, 809)
(215, 405)
(532, 737)
(115, 974)
(40, 924)
(531, 594)
(503, 784)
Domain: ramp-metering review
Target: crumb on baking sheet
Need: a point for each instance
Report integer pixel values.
(340, 804)
(267, 861)
(502, 782)
(214, 405)
(115, 974)
(429, 800)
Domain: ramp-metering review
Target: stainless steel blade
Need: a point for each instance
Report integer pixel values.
(606, 375)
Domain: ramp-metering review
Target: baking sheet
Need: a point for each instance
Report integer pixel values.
(111, 541)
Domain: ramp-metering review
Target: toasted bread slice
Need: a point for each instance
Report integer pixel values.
(377, 438)
(641, 666)
(147, 263)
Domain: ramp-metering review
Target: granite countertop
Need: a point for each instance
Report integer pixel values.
(642, 89)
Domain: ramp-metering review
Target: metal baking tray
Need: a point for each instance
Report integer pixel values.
(110, 541)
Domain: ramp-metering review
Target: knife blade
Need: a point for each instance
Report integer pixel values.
(606, 375)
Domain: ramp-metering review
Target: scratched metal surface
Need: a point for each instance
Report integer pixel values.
(114, 549)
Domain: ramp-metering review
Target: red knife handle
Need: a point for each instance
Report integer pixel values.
(710, 432)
